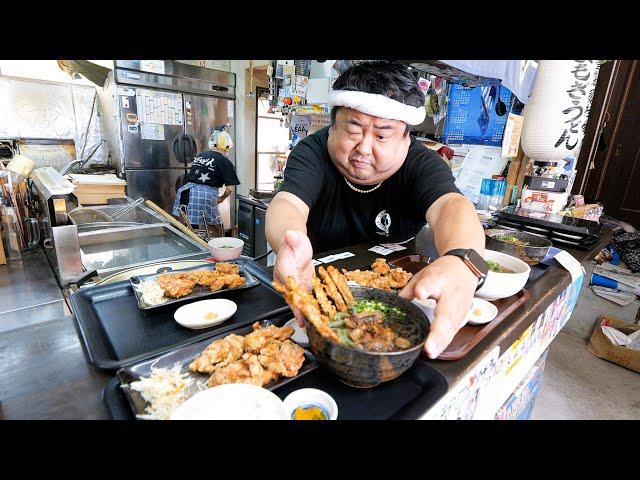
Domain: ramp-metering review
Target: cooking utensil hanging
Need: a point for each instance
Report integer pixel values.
(185, 217)
(127, 209)
(204, 233)
(501, 107)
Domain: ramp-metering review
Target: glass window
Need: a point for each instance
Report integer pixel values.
(272, 145)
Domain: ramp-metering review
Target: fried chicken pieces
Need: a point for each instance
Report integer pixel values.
(366, 330)
(317, 307)
(380, 276)
(180, 284)
(258, 358)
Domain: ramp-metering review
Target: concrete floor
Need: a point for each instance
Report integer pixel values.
(577, 385)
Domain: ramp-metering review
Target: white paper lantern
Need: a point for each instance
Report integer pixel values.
(556, 116)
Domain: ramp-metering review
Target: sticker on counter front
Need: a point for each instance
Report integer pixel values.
(132, 128)
(153, 66)
(132, 117)
(464, 396)
(152, 131)
(125, 102)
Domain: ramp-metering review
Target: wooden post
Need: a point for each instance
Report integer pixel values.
(3, 258)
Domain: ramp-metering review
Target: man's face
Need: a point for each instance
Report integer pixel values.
(367, 149)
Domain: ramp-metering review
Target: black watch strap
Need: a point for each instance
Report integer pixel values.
(473, 261)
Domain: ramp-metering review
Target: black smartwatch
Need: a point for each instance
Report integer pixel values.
(474, 261)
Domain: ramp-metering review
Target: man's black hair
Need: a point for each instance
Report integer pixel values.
(389, 78)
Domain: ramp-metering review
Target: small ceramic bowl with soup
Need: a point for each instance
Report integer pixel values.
(507, 276)
(225, 248)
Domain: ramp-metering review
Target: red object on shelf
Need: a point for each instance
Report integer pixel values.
(446, 152)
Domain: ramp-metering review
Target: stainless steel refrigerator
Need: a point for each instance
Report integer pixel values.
(156, 115)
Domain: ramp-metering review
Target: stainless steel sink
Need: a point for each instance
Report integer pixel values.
(110, 250)
(140, 215)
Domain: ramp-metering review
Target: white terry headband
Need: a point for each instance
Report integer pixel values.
(378, 106)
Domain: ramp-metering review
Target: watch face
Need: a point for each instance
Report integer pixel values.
(478, 262)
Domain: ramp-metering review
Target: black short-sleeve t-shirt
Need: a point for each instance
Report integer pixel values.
(213, 169)
(340, 216)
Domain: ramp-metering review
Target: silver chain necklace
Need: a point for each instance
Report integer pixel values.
(361, 191)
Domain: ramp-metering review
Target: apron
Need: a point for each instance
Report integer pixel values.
(200, 198)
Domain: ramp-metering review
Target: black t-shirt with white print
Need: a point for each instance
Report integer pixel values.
(213, 169)
(340, 217)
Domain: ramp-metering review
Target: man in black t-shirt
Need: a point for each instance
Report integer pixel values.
(365, 179)
(210, 171)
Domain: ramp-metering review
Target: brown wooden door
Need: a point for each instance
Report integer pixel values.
(618, 182)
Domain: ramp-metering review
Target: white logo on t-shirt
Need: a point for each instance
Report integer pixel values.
(383, 222)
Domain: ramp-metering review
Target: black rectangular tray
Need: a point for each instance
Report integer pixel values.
(184, 356)
(407, 397)
(117, 333)
(199, 292)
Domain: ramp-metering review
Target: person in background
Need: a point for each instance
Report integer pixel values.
(210, 171)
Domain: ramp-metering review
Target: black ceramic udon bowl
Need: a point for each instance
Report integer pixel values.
(531, 254)
(363, 369)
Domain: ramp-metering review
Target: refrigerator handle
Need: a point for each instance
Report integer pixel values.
(177, 150)
(191, 149)
(184, 148)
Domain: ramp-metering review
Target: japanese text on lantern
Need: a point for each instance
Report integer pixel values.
(579, 96)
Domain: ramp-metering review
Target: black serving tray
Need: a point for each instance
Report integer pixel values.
(199, 292)
(407, 397)
(184, 356)
(561, 230)
(117, 333)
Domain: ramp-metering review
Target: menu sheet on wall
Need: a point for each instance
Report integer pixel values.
(151, 131)
(164, 108)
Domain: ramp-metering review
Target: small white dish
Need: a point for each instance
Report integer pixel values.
(311, 397)
(481, 312)
(299, 334)
(205, 313)
(234, 401)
